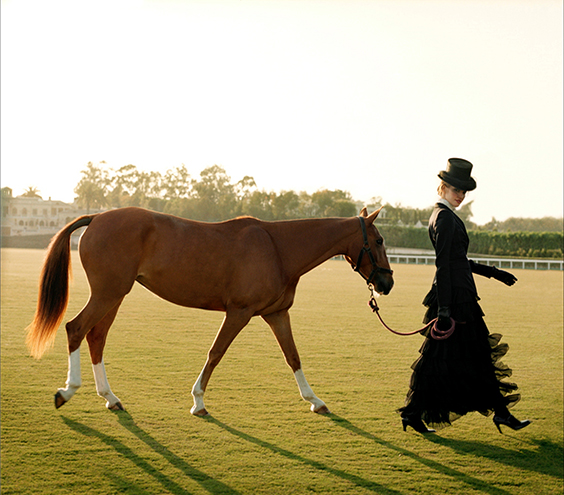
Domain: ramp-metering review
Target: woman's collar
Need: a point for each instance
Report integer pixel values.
(443, 201)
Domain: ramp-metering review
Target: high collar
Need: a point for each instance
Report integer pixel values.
(443, 201)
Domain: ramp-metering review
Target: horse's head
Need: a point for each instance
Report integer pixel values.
(367, 255)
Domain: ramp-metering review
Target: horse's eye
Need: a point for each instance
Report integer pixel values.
(380, 242)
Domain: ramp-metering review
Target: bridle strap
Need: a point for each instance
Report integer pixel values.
(366, 249)
(435, 332)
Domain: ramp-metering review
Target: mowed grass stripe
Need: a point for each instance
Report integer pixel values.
(261, 437)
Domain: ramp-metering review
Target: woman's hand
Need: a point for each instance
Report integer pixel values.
(443, 322)
(503, 276)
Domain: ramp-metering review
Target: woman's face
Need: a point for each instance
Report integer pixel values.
(454, 195)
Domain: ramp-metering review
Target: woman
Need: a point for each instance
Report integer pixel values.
(461, 373)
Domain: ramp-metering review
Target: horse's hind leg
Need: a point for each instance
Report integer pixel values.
(96, 339)
(77, 328)
(73, 380)
(280, 325)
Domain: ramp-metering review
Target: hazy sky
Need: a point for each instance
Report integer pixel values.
(371, 97)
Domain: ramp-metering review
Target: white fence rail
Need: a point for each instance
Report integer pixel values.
(525, 264)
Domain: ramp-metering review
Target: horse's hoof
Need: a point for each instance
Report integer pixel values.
(322, 410)
(59, 400)
(118, 406)
(201, 413)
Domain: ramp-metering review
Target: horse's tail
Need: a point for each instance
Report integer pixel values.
(53, 289)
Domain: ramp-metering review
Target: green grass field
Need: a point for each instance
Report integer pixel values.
(261, 437)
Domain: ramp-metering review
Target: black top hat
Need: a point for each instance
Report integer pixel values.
(457, 174)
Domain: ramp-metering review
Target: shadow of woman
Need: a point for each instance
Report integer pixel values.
(544, 457)
(471, 481)
(210, 484)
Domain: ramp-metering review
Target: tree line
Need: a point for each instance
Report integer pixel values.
(214, 197)
(211, 197)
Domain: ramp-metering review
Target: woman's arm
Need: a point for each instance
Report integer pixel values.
(491, 271)
(444, 233)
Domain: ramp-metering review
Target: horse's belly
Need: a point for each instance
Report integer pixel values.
(184, 294)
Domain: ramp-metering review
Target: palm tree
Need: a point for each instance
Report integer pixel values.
(31, 192)
(92, 189)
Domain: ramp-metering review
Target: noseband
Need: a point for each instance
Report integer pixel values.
(366, 249)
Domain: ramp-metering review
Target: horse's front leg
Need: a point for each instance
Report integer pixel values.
(317, 405)
(199, 408)
(233, 323)
(280, 325)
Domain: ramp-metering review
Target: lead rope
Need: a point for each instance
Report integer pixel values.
(436, 333)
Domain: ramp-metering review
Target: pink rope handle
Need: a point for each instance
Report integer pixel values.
(442, 334)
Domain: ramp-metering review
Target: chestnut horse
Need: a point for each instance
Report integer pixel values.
(244, 267)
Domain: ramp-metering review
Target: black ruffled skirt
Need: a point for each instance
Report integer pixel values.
(462, 373)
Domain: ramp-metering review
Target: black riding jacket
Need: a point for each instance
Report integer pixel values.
(454, 269)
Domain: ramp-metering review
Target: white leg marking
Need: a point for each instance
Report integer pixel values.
(73, 378)
(198, 395)
(307, 393)
(102, 386)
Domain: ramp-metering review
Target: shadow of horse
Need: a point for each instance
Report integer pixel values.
(352, 478)
(533, 459)
(210, 484)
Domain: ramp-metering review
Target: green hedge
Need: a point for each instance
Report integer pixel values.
(405, 237)
(517, 244)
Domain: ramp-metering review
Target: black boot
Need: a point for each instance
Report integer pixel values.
(416, 423)
(510, 421)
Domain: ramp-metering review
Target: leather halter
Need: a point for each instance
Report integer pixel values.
(366, 249)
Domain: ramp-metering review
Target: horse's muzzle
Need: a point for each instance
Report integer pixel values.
(384, 284)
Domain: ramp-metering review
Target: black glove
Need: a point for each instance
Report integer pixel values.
(443, 322)
(503, 276)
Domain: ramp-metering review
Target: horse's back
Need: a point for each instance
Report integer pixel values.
(197, 264)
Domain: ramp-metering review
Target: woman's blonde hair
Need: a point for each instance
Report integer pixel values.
(442, 186)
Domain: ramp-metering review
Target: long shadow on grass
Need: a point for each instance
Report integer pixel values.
(352, 478)
(475, 483)
(210, 484)
(545, 457)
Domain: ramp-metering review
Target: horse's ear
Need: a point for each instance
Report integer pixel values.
(370, 219)
(364, 212)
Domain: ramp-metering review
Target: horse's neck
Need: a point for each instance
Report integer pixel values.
(305, 244)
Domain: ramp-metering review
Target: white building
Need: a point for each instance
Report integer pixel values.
(35, 216)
